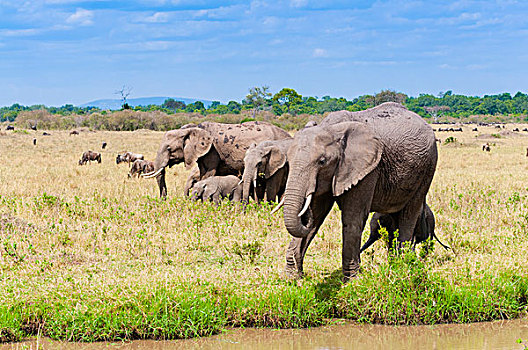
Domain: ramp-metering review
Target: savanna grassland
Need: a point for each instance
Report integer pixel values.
(88, 254)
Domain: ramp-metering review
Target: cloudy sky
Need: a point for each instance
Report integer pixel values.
(73, 51)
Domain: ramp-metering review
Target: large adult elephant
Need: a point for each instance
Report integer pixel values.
(269, 160)
(217, 148)
(382, 159)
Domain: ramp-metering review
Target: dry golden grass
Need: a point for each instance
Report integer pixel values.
(66, 228)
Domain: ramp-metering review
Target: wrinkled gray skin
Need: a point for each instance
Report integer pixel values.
(424, 229)
(141, 166)
(217, 148)
(216, 188)
(267, 161)
(193, 178)
(382, 159)
(90, 156)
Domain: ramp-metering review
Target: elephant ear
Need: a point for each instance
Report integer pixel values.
(361, 154)
(276, 161)
(209, 189)
(196, 144)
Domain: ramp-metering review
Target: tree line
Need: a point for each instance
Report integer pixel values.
(445, 106)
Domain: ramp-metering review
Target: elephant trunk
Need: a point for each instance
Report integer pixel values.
(298, 220)
(249, 177)
(162, 160)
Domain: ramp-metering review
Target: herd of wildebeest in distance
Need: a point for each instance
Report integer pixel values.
(380, 160)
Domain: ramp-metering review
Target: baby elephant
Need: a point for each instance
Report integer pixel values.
(424, 228)
(90, 156)
(216, 188)
(141, 166)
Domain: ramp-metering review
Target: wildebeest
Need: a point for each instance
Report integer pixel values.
(141, 166)
(104, 145)
(128, 157)
(10, 127)
(90, 156)
(33, 127)
(74, 132)
(486, 147)
(34, 142)
(46, 134)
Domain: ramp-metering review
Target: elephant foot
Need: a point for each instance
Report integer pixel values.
(350, 273)
(292, 273)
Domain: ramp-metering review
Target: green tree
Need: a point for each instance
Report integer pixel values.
(234, 107)
(197, 106)
(287, 97)
(389, 96)
(257, 98)
(173, 105)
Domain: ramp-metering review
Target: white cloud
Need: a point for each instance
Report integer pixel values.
(319, 53)
(158, 17)
(82, 17)
(19, 32)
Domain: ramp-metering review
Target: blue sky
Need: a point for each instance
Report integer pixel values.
(72, 51)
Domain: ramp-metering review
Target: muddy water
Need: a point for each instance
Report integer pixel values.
(492, 335)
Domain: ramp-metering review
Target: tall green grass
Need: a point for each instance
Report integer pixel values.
(404, 290)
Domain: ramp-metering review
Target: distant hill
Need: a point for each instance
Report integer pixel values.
(114, 104)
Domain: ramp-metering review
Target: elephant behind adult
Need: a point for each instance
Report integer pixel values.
(217, 148)
(424, 229)
(382, 159)
(268, 159)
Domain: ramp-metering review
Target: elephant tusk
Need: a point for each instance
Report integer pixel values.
(255, 189)
(240, 182)
(281, 203)
(306, 205)
(153, 174)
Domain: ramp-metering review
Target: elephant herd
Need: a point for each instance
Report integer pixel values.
(378, 160)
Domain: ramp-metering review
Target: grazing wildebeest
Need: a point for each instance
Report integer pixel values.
(128, 157)
(90, 156)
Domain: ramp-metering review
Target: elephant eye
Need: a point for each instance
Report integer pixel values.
(322, 161)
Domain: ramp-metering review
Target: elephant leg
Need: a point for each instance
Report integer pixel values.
(298, 246)
(408, 219)
(260, 191)
(216, 197)
(237, 194)
(161, 184)
(272, 187)
(355, 206)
